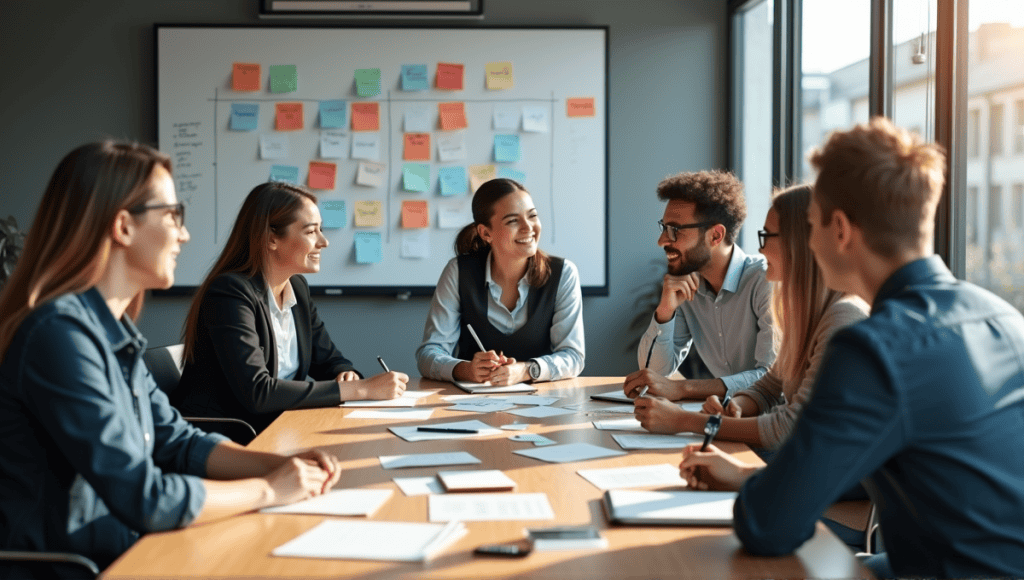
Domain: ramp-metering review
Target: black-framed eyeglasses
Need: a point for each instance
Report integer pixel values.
(762, 238)
(673, 231)
(178, 213)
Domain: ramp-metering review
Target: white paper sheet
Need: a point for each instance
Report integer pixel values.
(427, 459)
(451, 147)
(633, 476)
(530, 400)
(617, 395)
(412, 434)
(418, 119)
(535, 119)
(482, 406)
(419, 485)
(476, 479)
(569, 452)
(333, 143)
(371, 174)
(392, 414)
(341, 502)
(416, 244)
(487, 388)
(366, 146)
(541, 411)
(672, 507)
(652, 441)
(516, 426)
(355, 540)
(625, 424)
(480, 507)
(408, 399)
(537, 439)
(273, 146)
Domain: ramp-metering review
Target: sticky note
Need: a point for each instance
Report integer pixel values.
(449, 76)
(332, 114)
(368, 214)
(535, 119)
(366, 116)
(244, 116)
(368, 248)
(414, 77)
(288, 117)
(417, 147)
(451, 146)
(506, 148)
(580, 107)
(332, 212)
(480, 174)
(245, 76)
(506, 118)
(273, 146)
(499, 75)
(416, 244)
(321, 175)
(367, 82)
(415, 177)
(370, 174)
(284, 78)
(453, 180)
(452, 215)
(417, 119)
(512, 174)
(333, 144)
(285, 173)
(453, 116)
(366, 146)
(414, 214)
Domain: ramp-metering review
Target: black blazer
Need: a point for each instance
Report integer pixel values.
(234, 368)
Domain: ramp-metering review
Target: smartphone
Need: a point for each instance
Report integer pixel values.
(516, 549)
(566, 533)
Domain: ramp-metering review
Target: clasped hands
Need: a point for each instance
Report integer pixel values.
(493, 367)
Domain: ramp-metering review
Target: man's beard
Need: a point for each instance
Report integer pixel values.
(692, 260)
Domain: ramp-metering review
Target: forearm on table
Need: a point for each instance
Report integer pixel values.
(230, 460)
(229, 498)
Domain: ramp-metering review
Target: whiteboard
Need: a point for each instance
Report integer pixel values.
(216, 162)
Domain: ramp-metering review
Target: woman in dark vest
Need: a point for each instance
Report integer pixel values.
(525, 306)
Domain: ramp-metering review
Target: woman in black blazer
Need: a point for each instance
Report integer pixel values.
(247, 354)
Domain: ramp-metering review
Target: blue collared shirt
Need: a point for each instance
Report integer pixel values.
(924, 401)
(732, 330)
(92, 454)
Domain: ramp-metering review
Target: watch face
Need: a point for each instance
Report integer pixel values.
(534, 370)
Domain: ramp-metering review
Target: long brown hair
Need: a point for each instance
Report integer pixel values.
(538, 267)
(67, 249)
(268, 209)
(800, 300)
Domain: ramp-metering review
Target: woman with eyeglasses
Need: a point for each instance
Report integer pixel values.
(254, 343)
(92, 454)
(805, 314)
(525, 306)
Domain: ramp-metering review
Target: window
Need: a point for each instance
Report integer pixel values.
(973, 135)
(1018, 128)
(1018, 205)
(913, 82)
(972, 215)
(995, 130)
(995, 207)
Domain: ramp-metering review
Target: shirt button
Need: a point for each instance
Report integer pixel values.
(146, 436)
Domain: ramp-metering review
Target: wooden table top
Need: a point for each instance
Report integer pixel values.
(240, 546)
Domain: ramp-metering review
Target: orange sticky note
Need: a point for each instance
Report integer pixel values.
(245, 77)
(321, 175)
(417, 147)
(453, 116)
(366, 116)
(449, 76)
(499, 75)
(581, 107)
(414, 214)
(480, 174)
(288, 117)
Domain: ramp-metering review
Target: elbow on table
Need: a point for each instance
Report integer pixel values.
(772, 540)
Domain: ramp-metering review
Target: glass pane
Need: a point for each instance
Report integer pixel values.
(995, 148)
(913, 36)
(834, 65)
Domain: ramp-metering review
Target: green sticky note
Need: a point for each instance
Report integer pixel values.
(415, 176)
(332, 212)
(367, 82)
(284, 78)
(368, 248)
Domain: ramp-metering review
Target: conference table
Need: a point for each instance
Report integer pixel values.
(240, 546)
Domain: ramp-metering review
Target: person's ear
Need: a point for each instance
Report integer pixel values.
(715, 235)
(843, 229)
(122, 232)
(484, 232)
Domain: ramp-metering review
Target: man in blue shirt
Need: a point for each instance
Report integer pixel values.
(923, 402)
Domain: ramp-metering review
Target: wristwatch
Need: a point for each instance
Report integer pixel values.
(534, 368)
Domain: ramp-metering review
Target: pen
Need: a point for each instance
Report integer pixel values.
(710, 430)
(725, 402)
(381, 361)
(647, 364)
(476, 338)
(643, 391)
(446, 430)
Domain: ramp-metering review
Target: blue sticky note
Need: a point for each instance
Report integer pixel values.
(333, 114)
(244, 116)
(367, 82)
(512, 174)
(415, 177)
(414, 77)
(332, 212)
(506, 148)
(453, 180)
(368, 248)
(285, 173)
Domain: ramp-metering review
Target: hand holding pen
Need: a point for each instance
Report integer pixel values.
(483, 364)
(387, 385)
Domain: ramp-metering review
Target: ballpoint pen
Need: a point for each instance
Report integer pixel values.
(650, 351)
(446, 430)
(710, 430)
(476, 338)
(381, 361)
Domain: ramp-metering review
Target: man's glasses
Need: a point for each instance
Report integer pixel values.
(762, 238)
(673, 231)
(178, 213)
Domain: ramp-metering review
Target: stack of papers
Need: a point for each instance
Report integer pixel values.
(477, 480)
(341, 502)
(634, 476)
(652, 441)
(355, 540)
(477, 388)
(427, 460)
(393, 414)
(568, 452)
(408, 399)
(567, 538)
(480, 507)
(627, 506)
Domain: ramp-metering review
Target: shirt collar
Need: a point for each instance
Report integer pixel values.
(289, 298)
(919, 271)
(734, 272)
(119, 333)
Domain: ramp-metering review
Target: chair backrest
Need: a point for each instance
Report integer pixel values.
(165, 364)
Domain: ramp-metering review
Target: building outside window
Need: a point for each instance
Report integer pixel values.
(995, 130)
(973, 133)
(1018, 127)
(1017, 215)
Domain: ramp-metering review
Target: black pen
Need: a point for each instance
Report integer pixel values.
(381, 361)
(446, 430)
(648, 363)
(725, 401)
(710, 430)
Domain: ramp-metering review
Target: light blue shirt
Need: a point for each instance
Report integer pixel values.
(441, 334)
(283, 321)
(732, 330)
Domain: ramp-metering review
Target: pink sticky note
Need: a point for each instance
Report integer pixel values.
(414, 214)
(245, 76)
(366, 116)
(417, 147)
(289, 117)
(580, 107)
(321, 175)
(449, 76)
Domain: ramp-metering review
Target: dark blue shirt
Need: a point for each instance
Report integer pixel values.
(924, 401)
(91, 453)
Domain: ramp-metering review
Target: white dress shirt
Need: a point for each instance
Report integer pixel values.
(283, 322)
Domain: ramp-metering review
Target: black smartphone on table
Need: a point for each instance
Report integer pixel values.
(517, 549)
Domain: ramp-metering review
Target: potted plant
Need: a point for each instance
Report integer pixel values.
(12, 241)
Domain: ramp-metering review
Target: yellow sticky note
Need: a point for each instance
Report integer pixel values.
(499, 75)
(368, 214)
(480, 174)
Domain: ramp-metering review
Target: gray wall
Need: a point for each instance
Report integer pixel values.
(78, 71)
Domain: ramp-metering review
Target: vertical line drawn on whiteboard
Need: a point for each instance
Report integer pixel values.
(216, 176)
(391, 180)
(551, 171)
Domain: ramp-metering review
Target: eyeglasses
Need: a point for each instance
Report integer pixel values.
(178, 213)
(673, 231)
(762, 238)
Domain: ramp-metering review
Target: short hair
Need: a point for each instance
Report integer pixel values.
(885, 179)
(717, 196)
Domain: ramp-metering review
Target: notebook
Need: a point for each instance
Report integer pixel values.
(672, 508)
(485, 388)
(357, 540)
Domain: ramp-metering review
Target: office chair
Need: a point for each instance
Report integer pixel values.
(51, 564)
(165, 363)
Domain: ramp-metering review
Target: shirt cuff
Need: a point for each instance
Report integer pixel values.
(545, 370)
(446, 370)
